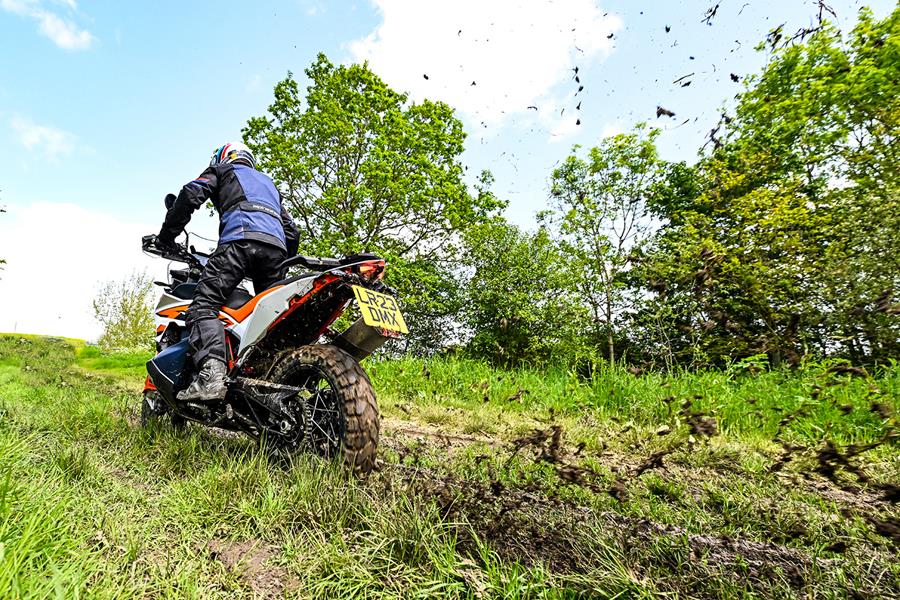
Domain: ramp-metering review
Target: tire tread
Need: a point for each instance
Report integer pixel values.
(353, 389)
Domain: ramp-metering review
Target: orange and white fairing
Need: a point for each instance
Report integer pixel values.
(250, 322)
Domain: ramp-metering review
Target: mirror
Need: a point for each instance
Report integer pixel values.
(170, 200)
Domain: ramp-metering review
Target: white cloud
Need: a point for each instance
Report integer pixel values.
(611, 130)
(313, 8)
(62, 32)
(515, 51)
(49, 140)
(19, 7)
(57, 257)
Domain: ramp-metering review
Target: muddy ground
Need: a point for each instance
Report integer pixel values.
(540, 524)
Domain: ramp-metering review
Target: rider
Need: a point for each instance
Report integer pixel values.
(255, 236)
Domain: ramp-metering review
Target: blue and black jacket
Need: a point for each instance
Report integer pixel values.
(248, 204)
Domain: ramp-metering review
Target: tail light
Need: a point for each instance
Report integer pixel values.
(371, 270)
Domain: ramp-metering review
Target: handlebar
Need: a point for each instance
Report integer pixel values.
(177, 252)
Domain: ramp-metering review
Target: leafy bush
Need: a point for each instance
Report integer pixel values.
(522, 303)
(125, 311)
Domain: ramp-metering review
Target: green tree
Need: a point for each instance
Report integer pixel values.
(599, 206)
(363, 169)
(521, 302)
(124, 309)
(783, 240)
(729, 273)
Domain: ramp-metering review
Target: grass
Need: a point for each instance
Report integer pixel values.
(473, 395)
(128, 368)
(93, 506)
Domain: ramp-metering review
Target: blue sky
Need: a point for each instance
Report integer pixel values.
(107, 106)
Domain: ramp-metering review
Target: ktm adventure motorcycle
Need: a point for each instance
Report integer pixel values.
(293, 383)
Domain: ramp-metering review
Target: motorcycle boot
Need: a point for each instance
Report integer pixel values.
(209, 384)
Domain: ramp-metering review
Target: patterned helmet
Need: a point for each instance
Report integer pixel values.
(235, 152)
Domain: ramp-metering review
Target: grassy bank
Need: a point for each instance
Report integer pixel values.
(493, 484)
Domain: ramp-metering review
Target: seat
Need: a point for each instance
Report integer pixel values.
(288, 280)
(327, 263)
(361, 257)
(239, 297)
(241, 312)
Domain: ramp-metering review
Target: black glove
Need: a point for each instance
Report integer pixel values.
(152, 242)
(148, 241)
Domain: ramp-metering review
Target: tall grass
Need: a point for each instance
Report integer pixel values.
(92, 506)
(821, 403)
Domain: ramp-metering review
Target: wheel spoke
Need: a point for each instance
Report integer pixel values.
(325, 433)
(316, 406)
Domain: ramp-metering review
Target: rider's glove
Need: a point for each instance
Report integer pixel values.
(153, 242)
(148, 241)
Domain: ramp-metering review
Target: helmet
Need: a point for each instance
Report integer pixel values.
(235, 152)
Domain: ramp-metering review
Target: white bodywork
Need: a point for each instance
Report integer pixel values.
(253, 327)
(270, 307)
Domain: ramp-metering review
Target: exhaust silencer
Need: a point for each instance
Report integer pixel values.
(361, 340)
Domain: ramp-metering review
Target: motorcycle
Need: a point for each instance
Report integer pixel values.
(293, 383)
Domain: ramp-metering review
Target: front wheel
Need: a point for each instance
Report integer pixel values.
(154, 410)
(340, 414)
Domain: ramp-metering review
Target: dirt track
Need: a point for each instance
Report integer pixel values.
(536, 524)
(543, 523)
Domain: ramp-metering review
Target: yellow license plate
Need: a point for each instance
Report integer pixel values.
(379, 310)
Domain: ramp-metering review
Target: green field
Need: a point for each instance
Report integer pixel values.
(492, 484)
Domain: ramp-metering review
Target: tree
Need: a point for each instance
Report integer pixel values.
(599, 207)
(521, 302)
(783, 239)
(365, 170)
(732, 274)
(124, 309)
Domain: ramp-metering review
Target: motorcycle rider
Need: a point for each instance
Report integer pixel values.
(255, 235)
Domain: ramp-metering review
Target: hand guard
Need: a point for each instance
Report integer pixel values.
(152, 242)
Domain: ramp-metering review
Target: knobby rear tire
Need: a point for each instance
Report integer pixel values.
(354, 399)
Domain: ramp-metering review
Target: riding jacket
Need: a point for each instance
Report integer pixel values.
(248, 204)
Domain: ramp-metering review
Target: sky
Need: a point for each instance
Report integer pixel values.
(107, 106)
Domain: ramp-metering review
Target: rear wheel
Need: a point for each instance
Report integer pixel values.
(340, 414)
